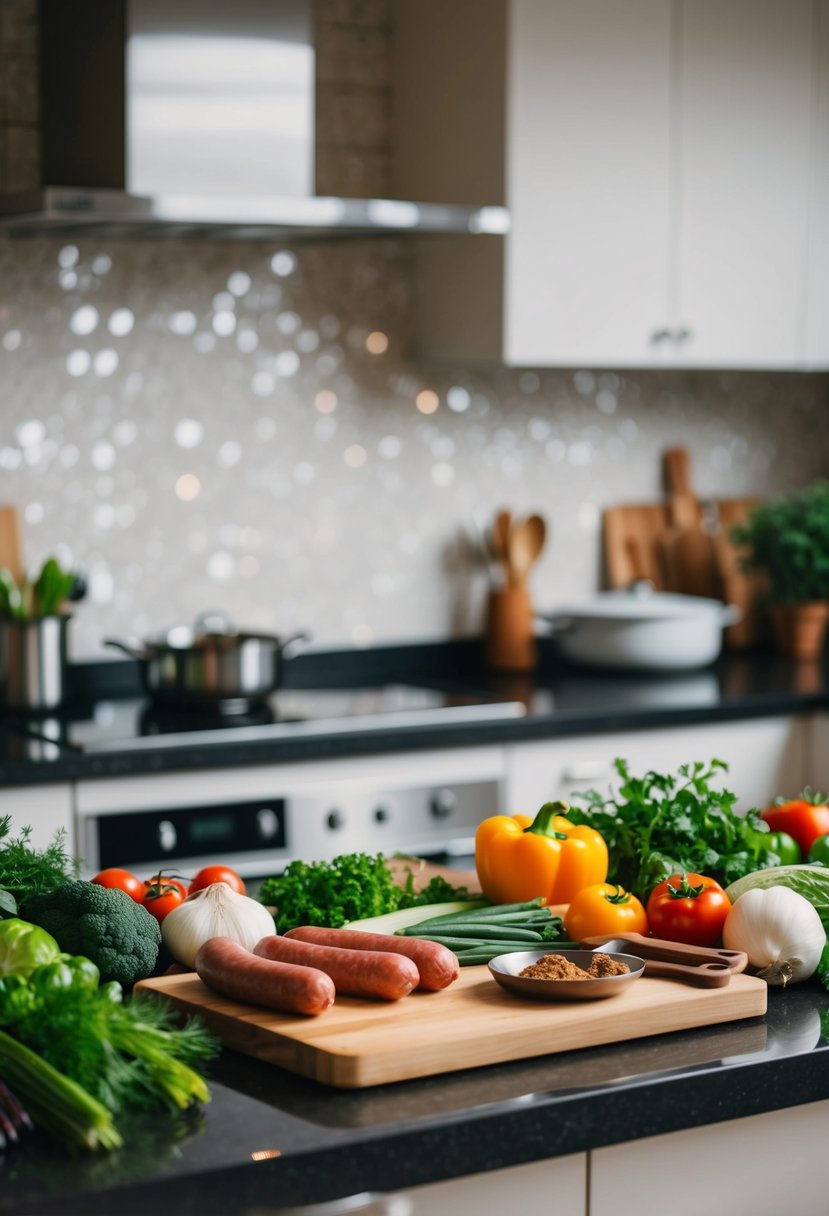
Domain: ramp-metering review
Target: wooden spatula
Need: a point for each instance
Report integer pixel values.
(11, 542)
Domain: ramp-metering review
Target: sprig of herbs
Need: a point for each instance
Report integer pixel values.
(352, 886)
(662, 824)
(26, 871)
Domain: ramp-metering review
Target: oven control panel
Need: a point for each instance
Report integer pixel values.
(259, 821)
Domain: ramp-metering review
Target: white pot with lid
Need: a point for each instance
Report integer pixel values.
(642, 629)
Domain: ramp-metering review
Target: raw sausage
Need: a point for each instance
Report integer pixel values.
(229, 968)
(371, 973)
(437, 965)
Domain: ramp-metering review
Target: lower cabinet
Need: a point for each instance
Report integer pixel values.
(43, 808)
(557, 1187)
(761, 1166)
(765, 757)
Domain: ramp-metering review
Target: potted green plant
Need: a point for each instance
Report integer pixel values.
(33, 624)
(786, 539)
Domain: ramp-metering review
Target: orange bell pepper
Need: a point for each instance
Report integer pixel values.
(519, 859)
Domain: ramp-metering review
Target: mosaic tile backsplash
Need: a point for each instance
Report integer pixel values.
(239, 427)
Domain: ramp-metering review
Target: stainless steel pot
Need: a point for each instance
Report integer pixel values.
(33, 662)
(642, 629)
(209, 664)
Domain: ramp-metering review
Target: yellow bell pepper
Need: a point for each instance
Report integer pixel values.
(519, 859)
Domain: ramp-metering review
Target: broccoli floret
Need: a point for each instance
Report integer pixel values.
(102, 923)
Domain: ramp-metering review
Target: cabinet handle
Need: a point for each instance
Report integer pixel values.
(586, 770)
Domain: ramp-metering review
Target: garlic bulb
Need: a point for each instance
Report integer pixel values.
(779, 930)
(215, 911)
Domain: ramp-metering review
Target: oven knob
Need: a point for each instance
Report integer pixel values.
(167, 836)
(443, 803)
(382, 815)
(335, 820)
(267, 823)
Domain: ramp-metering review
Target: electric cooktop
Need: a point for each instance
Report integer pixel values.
(144, 724)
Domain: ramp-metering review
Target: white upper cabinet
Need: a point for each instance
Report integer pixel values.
(666, 166)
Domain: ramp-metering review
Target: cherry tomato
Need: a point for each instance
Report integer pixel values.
(688, 908)
(166, 880)
(604, 909)
(819, 852)
(123, 880)
(804, 818)
(211, 874)
(161, 897)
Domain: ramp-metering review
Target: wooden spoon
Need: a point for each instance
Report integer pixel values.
(526, 541)
(500, 540)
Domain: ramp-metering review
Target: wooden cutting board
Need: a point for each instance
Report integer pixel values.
(357, 1043)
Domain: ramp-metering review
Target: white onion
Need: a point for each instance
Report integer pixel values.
(215, 911)
(779, 930)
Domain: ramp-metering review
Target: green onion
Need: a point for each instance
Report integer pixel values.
(54, 1101)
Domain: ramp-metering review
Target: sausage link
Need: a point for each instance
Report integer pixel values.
(437, 965)
(230, 969)
(371, 973)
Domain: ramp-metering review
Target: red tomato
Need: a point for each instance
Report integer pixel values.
(805, 818)
(123, 880)
(688, 908)
(163, 879)
(161, 896)
(211, 874)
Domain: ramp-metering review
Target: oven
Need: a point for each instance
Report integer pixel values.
(257, 819)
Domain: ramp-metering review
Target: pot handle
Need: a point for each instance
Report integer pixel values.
(731, 614)
(134, 650)
(559, 624)
(293, 638)
(214, 624)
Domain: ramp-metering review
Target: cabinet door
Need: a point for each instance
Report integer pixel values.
(587, 181)
(763, 1165)
(742, 176)
(43, 808)
(765, 758)
(555, 1186)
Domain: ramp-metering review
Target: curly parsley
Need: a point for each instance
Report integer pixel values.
(351, 887)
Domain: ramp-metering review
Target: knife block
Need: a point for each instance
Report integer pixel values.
(509, 637)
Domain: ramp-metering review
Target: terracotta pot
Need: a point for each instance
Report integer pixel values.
(800, 629)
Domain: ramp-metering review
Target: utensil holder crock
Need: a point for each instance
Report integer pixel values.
(33, 663)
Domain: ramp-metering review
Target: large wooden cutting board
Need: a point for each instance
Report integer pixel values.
(357, 1043)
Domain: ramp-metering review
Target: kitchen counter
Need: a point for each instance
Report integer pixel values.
(557, 700)
(270, 1139)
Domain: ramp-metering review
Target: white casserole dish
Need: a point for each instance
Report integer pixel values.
(642, 629)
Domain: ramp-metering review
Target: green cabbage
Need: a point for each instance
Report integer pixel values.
(812, 882)
(23, 947)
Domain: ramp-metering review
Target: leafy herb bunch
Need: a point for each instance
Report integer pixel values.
(660, 824)
(788, 538)
(351, 887)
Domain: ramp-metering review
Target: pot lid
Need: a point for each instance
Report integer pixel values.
(640, 602)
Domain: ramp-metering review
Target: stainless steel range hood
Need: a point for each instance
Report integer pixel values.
(193, 119)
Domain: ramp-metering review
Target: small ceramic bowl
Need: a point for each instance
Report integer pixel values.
(506, 967)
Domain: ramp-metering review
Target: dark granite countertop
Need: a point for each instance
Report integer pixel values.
(312, 1143)
(557, 700)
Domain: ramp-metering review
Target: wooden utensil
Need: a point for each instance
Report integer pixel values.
(524, 545)
(701, 965)
(689, 549)
(501, 528)
(11, 542)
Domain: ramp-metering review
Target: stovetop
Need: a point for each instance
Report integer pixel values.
(143, 724)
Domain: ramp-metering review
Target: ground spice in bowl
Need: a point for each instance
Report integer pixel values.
(557, 967)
